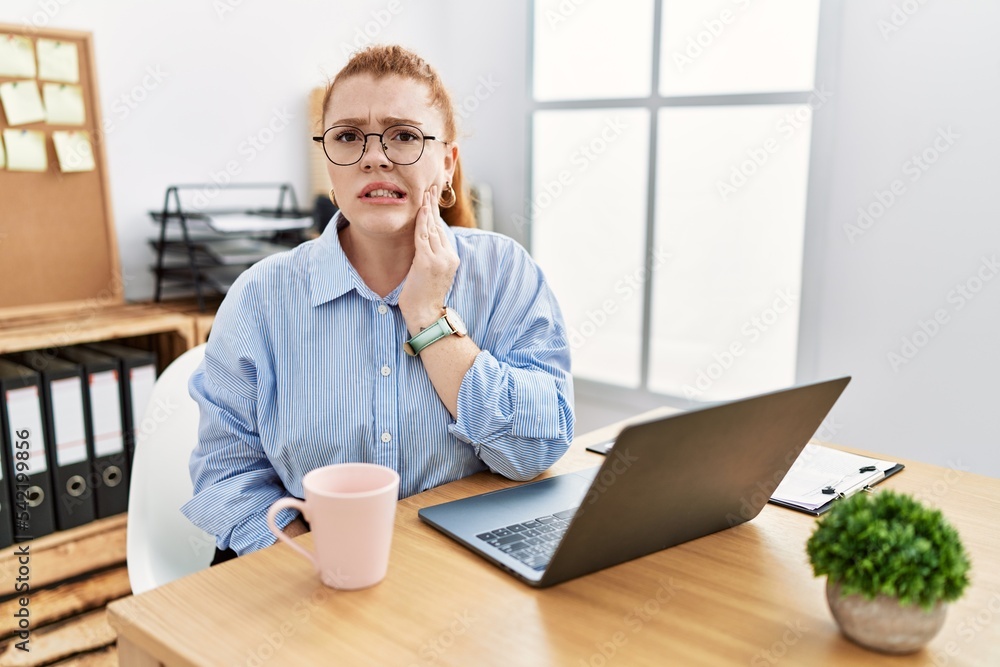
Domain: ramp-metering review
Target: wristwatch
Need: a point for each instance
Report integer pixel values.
(450, 324)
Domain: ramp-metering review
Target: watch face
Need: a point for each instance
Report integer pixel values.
(456, 322)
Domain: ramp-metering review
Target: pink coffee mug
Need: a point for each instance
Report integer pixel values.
(351, 510)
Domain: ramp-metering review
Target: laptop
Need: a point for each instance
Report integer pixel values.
(663, 482)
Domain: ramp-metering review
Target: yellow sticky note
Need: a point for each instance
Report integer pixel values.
(63, 104)
(17, 56)
(74, 151)
(25, 150)
(21, 102)
(58, 61)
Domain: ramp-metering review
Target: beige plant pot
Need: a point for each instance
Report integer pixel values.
(883, 624)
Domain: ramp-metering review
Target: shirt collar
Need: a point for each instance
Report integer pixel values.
(331, 274)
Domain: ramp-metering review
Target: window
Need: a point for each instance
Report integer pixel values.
(669, 170)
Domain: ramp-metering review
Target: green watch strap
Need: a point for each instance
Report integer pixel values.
(432, 334)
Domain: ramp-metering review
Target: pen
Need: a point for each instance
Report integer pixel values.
(863, 485)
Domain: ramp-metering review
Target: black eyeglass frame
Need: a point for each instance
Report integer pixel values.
(321, 140)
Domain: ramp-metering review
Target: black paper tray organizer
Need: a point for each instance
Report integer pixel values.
(209, 234)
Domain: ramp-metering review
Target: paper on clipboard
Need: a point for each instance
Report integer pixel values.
(819, 468)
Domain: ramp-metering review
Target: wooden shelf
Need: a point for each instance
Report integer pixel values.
(202, 320)
(74, 573)
(168, 333)
(83, 325)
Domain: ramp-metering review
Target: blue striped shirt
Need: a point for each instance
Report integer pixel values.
(305, 368)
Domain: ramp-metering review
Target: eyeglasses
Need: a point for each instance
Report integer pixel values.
(345, 145)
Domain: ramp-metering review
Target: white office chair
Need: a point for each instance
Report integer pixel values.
(162, 545)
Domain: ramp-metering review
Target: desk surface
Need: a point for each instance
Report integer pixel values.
(742, 596)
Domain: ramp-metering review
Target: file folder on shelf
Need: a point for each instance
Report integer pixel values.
(138, 375)
(104, 423)
(24, 448)
(66, 437)
(6, 510)
(7, 481)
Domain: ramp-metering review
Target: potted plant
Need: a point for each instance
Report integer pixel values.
(891, 565)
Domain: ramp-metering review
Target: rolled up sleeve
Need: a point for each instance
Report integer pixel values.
(515, 404)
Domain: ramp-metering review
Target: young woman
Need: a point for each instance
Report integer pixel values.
(402, 336)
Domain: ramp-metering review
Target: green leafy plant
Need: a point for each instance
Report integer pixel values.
(889, 543)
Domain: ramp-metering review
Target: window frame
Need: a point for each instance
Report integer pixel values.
(817, 191)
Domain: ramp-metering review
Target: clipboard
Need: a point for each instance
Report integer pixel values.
(825, 508)
(841, 477)
(823, 475)
(602, 447)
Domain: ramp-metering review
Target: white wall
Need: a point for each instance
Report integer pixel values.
(895, 94)
(487, 69)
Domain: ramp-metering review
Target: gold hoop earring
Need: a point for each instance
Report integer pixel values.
(448, 197)
(333, 197)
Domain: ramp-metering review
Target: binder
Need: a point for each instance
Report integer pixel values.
(67, 446)
(6, 509)
(7, 480)
(24, 448)
(137, 370)
(105, 426)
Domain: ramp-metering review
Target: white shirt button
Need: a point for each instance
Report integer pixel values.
(385, 371)
(386, 437)
(383, 309)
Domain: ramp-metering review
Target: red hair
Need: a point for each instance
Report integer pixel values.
(381, 61)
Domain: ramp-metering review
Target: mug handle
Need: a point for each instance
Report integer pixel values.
(272, 512)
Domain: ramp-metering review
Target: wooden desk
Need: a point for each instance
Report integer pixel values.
(745, 596)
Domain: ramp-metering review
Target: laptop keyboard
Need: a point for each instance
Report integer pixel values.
(531, 542)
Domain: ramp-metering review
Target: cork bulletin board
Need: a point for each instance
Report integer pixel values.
(58, 247)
